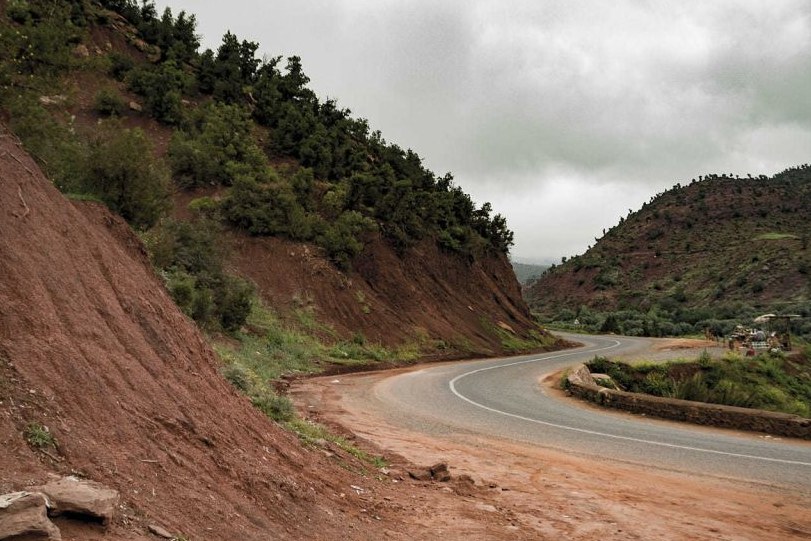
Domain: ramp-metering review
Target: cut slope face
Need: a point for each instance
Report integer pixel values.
(92, 347)
(425, 295)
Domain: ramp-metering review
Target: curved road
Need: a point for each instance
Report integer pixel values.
(503, 397)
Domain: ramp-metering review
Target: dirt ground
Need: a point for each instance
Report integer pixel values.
(526, 492)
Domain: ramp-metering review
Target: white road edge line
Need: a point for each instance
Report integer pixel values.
(452, 385)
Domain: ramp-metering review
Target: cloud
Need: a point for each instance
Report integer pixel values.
(539, 106)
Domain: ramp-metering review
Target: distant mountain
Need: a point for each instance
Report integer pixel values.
(694, 256)
(527, 272)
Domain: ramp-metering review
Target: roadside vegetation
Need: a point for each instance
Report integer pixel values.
(770, 381)
(265, 350)
(669, 319)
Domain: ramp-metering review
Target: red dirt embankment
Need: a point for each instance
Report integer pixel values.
(447, 304)
(92, 347)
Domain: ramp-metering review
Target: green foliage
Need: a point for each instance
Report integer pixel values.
(38, 41)
(108, 102)
(342, 239)
(312, 433)
(120, 65)
(229, 74)
(278, 408)
(214, 147)
(59, 152)
(162, 88)
(768, 381)
(190, 257)
(269, 209)
(122, 172)
(39, 436)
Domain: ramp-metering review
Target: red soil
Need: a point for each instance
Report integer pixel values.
(92, 347)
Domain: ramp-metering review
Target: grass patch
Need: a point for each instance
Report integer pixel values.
(770, 381)
(267, 349)
(514, 343)
(311, 434)
(38, 435)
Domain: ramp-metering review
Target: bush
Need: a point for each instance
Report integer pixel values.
(191, 257)
(215, 147)
(279, 408)
(342, 239)
(109, 103)
(233, 301)
(123, 173)
(162, 88)
(120, 65)
(39, 436)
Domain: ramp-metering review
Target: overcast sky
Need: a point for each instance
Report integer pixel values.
(563, 114)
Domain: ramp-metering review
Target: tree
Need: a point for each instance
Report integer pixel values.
(162, 87)
(123, 173)
(234, 68)
(214, 147)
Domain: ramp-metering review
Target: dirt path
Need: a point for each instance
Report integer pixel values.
(527, 492)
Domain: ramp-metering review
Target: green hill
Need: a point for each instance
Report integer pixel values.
(710, 254)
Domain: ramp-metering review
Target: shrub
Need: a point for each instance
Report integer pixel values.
(123, 173)
(109, 103)
(190, 257)
(233, 302)
(342, 239)
(239, 376)
(279, 408)
(39, 436)
(120, 65)
(162, 88)
(19, 11)
(215, 147)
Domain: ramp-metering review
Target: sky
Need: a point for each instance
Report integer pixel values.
(564, 114)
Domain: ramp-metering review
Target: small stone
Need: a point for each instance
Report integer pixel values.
(160, 532)
(81, 51)
(51, 100)
(135, 106)
(420, 474)
(486, 507)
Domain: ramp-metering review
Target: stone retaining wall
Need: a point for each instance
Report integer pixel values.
(582, 385)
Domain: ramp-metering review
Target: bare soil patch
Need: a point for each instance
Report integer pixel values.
(527, 492)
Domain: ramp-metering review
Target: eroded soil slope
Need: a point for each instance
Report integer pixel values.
(92, 347)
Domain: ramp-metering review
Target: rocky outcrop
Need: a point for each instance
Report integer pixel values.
(80, 497)
(24, 515)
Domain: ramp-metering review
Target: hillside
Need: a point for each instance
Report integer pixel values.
(280, 196)
(705, 255)
(93, 348)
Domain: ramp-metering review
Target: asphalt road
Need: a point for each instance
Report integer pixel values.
(504, 398)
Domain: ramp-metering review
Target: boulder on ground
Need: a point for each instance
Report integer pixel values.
(80, 497)
(24, 515)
